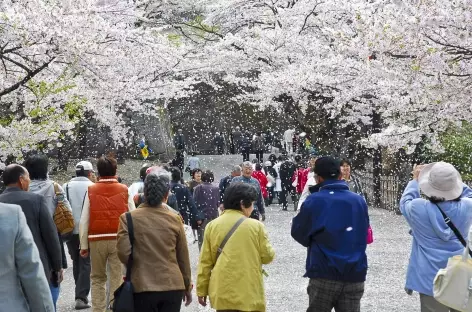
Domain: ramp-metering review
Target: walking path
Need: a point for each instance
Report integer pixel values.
(285, 286)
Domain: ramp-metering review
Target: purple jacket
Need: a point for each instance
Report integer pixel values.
(206, 197)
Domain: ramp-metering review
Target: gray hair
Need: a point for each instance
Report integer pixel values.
(236, 169)
(247, 164)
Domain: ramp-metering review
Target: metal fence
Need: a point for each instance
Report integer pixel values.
(391, 189)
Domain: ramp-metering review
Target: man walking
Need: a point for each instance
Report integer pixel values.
(287, 170)
(24, 285)
(40, 222)
(333, 224)
(76, 191)
(105, 202)
(225, 182)
(288, 140)
(246, 177)
(219, 143)
(237, 140)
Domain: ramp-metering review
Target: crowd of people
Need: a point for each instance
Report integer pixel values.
(108, 227)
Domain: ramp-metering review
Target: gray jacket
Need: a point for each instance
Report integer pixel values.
(22, 283)
(41, 225)
(46, 188)
(75, 191)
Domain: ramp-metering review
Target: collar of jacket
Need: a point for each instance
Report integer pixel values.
(107, 179)
(334, 185)
(12, 189)
(232, 211)
(80, 179)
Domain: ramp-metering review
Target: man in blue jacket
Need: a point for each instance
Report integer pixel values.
(333, 224)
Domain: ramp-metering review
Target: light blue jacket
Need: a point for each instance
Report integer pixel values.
(23, 284)
(433, 241)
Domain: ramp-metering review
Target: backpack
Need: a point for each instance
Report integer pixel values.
(63, 217)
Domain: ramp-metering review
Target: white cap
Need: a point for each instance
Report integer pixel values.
(86, 165)
(441, 180)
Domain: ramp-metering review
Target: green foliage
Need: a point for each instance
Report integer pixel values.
(457, 143)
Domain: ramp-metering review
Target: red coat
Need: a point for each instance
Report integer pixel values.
(261, 177)
(302, 175)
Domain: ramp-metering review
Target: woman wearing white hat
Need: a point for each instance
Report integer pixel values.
(433, 240)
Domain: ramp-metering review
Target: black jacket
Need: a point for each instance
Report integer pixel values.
(185, 202)
(41, 224)
(287, 169)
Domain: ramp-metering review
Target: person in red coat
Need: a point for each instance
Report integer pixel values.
(261, 177)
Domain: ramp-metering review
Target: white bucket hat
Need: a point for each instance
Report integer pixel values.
(440, 180)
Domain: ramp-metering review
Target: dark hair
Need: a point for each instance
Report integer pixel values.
(106, 166)
(345, 161)
(194, 171)
(280, 158)
(12, 174)
(238, 193)
(37, 166)
(436, 200)
(156, 188)
(258, 167)
(176, 175)
(142, 172)
(208, 176)
(81, 172)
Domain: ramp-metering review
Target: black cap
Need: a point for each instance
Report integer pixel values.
(328, 168)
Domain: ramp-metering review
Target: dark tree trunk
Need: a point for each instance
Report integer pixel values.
(377, 160)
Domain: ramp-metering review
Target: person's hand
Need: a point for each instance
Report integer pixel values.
(222, 207)
(416, 171)
(187, 298)
(60, 276)
(199, 222)
(263, 217)
(202, 301)
(84, 253)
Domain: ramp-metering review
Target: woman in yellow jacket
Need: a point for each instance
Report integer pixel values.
(233, 278)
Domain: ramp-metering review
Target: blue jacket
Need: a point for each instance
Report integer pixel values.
(333, 224)
(259, 204)
(433, 241)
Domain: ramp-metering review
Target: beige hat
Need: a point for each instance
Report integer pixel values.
(440, 180)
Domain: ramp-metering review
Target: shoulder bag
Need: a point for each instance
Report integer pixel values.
(63, 217)
(124, 296)
(452, 286)
(228, 236)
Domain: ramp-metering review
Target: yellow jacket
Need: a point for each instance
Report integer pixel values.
(235, 282)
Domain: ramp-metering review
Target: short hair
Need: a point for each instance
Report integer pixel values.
(255, 161)
(82, 172)
(156, 188)
(345, 161)
(37, 166)
(12, 174)
(208, 176)
(142, 172)
(107, 166)
(236, 168)
(176, 175)
(194, 171)
(280, 158)
(247, 164)
(239, 193)
(258, 167)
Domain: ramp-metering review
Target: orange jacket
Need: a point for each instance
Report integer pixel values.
(108, 200)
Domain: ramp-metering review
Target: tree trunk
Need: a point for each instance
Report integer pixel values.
(377, 160)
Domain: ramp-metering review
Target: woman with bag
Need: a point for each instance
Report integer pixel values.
(160, 271)
(234, 249)
(434, 241)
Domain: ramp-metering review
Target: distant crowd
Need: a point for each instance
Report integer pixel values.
(135, 239)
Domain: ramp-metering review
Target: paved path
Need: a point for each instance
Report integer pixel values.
(285, 287)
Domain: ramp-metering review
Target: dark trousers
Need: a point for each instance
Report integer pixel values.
(80, 267)
(220, 149)
(286, 190)
(162, 301)
(269, 200)
(324, 295)
(260, 156)
(245, 155)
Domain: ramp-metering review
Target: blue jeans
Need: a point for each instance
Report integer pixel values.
(55, 293)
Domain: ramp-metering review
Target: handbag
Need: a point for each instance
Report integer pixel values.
(370, 235)
(452, 286)
(63, 217)
(124, 296)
